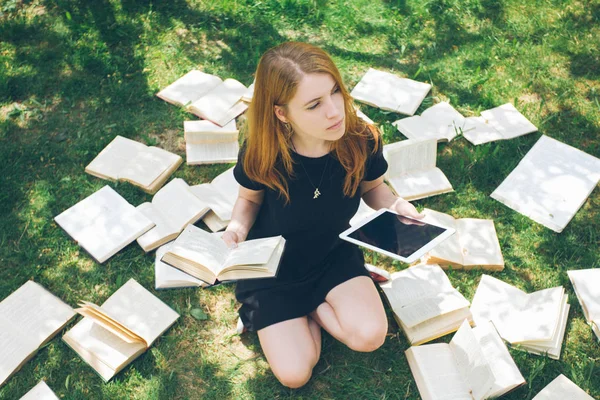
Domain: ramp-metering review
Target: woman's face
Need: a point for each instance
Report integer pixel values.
(317, 109)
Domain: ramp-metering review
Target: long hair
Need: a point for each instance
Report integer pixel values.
(279, 71)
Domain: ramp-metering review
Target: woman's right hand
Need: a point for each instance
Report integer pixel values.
(231, 239)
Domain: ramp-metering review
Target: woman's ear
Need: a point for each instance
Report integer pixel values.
(280, 114)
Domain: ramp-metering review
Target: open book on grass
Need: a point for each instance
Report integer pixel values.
(207, 143)
(103, 223)
(550, 183)
(424, 303)
(29, 317)
(124, 159)
(440, 122)
(475, 365)
(109, 337)
(390, 92)
(167, 277)
(562, 388)
(475, 243)
(412, 173)
(172, 209)
(535, 322)
(499, 123)
(207, 96)
(206, 256)
(586, 283)
(228, 189)
(41, 391)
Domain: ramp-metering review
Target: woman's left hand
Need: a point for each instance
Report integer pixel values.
(404, 208)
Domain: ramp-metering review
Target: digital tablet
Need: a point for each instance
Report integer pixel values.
(396, 236)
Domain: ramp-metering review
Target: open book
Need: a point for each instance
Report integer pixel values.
(167, 277)
(211, 98)
(125, 326)
(424, 303)
(390, 92)
(41, 391)
(440, 122)
(412, 173)
(172, 209)
(499, 123)
(228, 189)
(562, 388)
(536, 321)
(207, 257)
(550, 183)
(29, 317)
(127, 160)
(475, 243)
(103, 223)
(207, 143)
(586, 283)
(475, 365)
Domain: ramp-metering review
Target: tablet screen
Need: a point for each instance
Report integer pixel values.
(389, 233)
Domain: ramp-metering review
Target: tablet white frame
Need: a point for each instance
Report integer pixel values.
(414, 256)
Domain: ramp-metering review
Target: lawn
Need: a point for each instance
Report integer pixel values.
(75, 73)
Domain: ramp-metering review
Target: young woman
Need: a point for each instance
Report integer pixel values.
(306, 163)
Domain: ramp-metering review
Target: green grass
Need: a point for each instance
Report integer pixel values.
(75, 73)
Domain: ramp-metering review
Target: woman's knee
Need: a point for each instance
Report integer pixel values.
(368, 337)
(293, 375)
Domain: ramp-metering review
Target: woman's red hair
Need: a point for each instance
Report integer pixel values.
(279, 71)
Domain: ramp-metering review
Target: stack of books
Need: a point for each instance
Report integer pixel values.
(534, 322)
(208, 143)
(424, 303)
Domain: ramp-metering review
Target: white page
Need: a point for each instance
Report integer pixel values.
(586, 283)
(508, 121)
(477, 131)
(538, 320)
(201, 247)
(450, 250)
(41, 391)
(431, 307)
(148, 165)
(16, 348)
(596, 328)
(562, 388)
(550, 183)
(204, 131)
(479, 242)
(439, 372)
(163, 228)
(416, 127)
(252, 252)
(111, 161)
(214, 223)
(553, 346)
(409, 156)
(505, 371)
(211, 153)
(136, 308)
(471, 362)
(226, 184)
(445, 118)
(189, 87)
(249, 93)
(167, 276)
(436, 327)
(421, 184)
(217, 103)
(177, 202)
(390, 92)
(217, 202)
(103, 223)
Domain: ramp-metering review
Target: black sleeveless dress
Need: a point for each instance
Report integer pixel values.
(315, 259)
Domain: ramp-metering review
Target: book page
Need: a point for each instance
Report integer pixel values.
(111, 161)
(409, 156)
(596, 328)
(167, 276)
(436, 327)
(479, 242)
(249, 93)
(431, 307)
(148, 165)
(553, 346)
(35, 312)
(162, 230)
(505, 371)
(418, 185)
(227, 185)
(16, 348)
(41, 391)
(252, 252)
(390, 92)
(508, 121)
(550, 183)
(500, 303)
(204, 131)
(434, 364)
(477, 131)
(586, 283)
(214, 223)
(179, 204)
(201, 247)
(539, 318)
(471, 362)
(139, 310)
(416, 127)
(217, 103)
(446, 120)
(218, 203)
(211, 153)
(450, 250)
(562, 388)
(189, 88)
